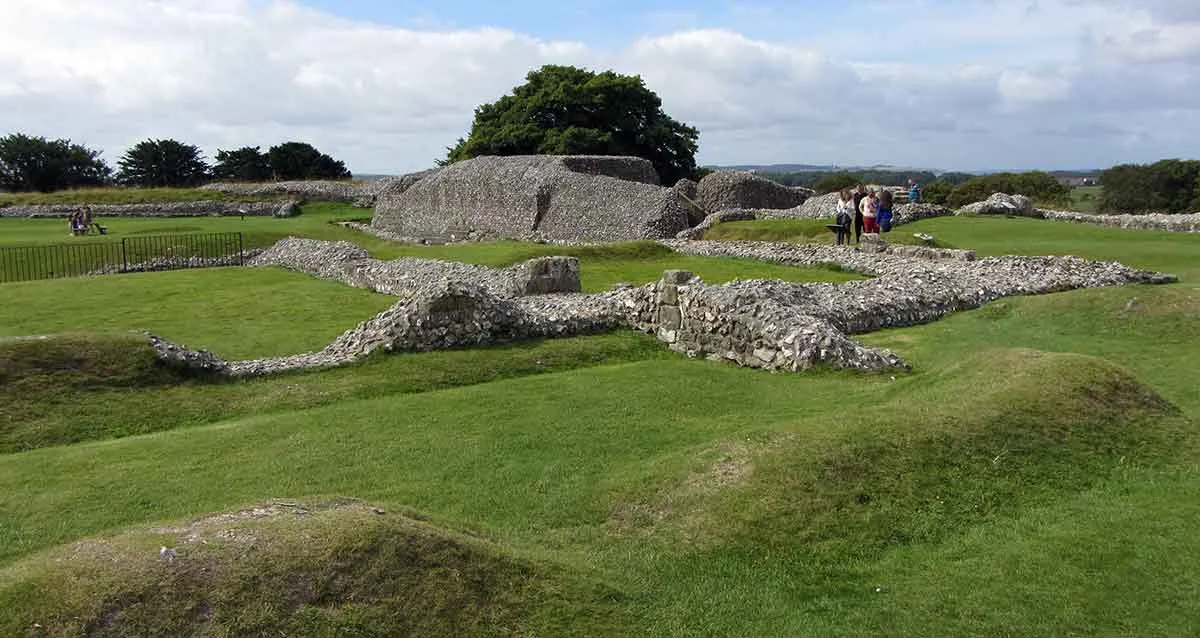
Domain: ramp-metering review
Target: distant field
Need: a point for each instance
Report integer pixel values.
(1086, 199)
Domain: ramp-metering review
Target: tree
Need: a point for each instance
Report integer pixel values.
(246, 164)
(156, 163)
(565, 110)
(37, 164)
(835, 182)
(937, 192)
(1168, 186)
(297, 160)
(1041, 187)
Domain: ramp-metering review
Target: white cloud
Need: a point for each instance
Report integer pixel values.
(994, 84)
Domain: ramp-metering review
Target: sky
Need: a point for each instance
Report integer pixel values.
(386, 86)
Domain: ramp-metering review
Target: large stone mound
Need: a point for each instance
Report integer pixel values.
(536, 196)
(1002, 204)
(723, 190)
(286, 568)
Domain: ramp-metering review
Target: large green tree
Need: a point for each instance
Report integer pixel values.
(298, 160)
(565, 110)
(154, 163)
(246, 164)
(38, 164)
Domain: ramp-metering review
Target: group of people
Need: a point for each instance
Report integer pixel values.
(81, 222)
(867, 212)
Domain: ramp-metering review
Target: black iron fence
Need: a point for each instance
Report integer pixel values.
(130, 254)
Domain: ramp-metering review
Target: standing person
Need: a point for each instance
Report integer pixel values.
(860, 193)
(883, 218)
(914, 192)
(869, 207)
(845, 216)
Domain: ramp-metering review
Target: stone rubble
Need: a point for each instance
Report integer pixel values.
(352, 265)
(165, 209)
(768, 324)
(179, 263)
(722, 190)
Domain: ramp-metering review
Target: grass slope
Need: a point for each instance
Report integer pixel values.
(97, 196)
(84, 387)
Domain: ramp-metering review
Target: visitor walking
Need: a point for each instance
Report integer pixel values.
(845, 216)
(869, 207)
(860, 193)
(914, 192)
(883, 218)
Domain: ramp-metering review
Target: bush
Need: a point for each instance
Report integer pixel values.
(835, 183)
(1041, 187)
(1166, 186)
(937, 193)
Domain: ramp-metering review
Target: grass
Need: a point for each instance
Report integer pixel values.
(1086, 199)
(74, 388)
(1034, 475)
(237, 313)
(793, 230)
(601, 265)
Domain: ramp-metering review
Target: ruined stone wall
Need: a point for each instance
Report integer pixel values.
(165, 209)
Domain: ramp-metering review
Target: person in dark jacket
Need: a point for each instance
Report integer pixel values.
(860, 192)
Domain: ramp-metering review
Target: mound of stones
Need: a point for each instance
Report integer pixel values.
(1002, 204)
(591, 198)
(164, 209)
(723, 190)
(773, 325)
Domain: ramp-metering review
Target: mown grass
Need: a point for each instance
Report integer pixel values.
(601, 265)
(793, 230)
(74, 388)
(238, 313)
(1032, 476)
(1086, 199)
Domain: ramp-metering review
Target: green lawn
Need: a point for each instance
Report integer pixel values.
(238, 313)
(1034, 475)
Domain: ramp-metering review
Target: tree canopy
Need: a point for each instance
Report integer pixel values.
(246, 164)
(565, 110)
(37, 164)
(1168, 186)
(155, 163)
(298, 160)
(1039, 186)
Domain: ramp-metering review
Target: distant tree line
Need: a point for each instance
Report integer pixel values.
(38, 164)
(1043, 188)
(1166, 186)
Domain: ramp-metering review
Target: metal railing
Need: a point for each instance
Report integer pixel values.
(130, 254)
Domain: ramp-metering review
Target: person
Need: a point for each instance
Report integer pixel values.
(860, 193)
(869, 207)
(86, 219)
(883, 218)
(914, 192)
(845, 216)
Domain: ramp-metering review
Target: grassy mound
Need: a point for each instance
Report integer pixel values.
(54, 364)
(793, 230)
(338, 568)
(957, 448)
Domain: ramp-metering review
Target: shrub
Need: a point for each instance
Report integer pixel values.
(1041, 187)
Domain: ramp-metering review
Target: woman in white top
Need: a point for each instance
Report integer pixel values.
(845, 216)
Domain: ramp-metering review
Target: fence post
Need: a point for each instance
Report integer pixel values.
(124, 257)
(241, 251)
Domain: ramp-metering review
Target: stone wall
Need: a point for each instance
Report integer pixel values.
(352, 265)
(165, 209)
(771, 324)
(530, 197)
